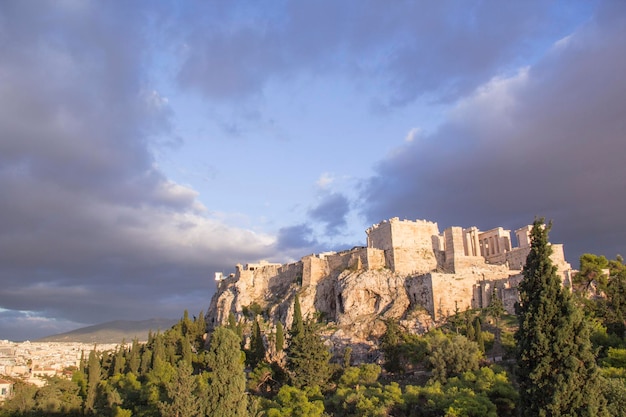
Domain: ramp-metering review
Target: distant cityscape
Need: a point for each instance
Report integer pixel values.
(33, 361)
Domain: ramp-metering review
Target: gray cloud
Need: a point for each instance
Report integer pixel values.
(90, 230)
(297, 240)
(548, 141)
(331, 212)
(413, 48)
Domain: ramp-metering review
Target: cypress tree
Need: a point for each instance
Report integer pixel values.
(182, 400)
(257, 348)
(307, 355)
(297, 325)
(134, 359)
(478, 335)
(226, 391)
(93, 379)
(557, 372)
(280, 337)
(470, 331)
(390, 345)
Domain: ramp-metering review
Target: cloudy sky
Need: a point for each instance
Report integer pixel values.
(146, 145)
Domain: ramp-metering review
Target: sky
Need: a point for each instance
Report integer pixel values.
(146, 145)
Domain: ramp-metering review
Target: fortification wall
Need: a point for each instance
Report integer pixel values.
(452, 291)
(287, 275)
(379, 235)
(375, 258)
(314, 269)
(408, 244)
(413, 234)
(339, 261)
(516, 258)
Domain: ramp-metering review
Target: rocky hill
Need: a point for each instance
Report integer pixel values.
(408, 272)
(113, 331)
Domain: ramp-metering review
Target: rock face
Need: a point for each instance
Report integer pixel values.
(408, 272)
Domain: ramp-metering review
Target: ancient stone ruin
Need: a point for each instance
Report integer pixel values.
(408, 271)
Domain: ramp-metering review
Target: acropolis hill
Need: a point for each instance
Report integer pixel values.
(409, 271)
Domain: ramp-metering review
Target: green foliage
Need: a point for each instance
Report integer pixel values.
(557, 372)
(470, 330)
(450, 355)
(365, 400)
(181, 393)
(256, 354)
(307, 356)
(297, 325)
(482, 392)
(402, 350)
(478, 335)
(226, 394)
(592, 269)
(93, 380)
(347, 357)
(364, 374)
(280, 337)
(291, 401)
(616, 358)
(495, 308)
(614, 390)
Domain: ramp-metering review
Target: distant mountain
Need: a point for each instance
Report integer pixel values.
(113, 331)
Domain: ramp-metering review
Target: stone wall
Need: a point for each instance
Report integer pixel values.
(375, 258)
(516, 258)
(408, 245)
(314, 268)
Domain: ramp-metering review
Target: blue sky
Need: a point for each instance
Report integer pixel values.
(146, 145)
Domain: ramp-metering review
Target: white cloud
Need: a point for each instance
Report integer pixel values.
(325, 180)
(413, 134)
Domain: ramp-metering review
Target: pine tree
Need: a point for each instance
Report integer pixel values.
(226, 391)
(557, 372)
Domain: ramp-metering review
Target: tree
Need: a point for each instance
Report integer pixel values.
(478, 335)
(181, 393)
(450, 355)
(93, 379)
(557, 372)
(134, 359)
(495, 308)
(470, 331)
(293, 402)
(591, 270)
(307, 355)
(297, 325)
(390, 345)
(226, 393)
(280, 337)
(257, 347)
